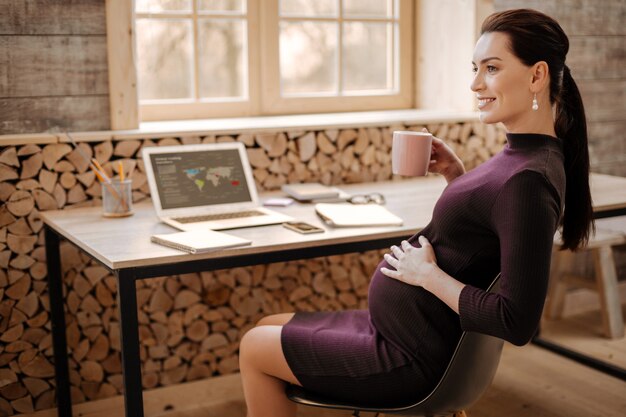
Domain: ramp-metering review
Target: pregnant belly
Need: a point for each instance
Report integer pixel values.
(406, 315)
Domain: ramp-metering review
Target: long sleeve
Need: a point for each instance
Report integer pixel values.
(524, 216)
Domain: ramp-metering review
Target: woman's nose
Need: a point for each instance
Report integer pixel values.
(477, 83)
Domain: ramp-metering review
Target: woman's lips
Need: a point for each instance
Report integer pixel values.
(484, 101)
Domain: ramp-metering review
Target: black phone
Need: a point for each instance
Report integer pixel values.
(302, 227)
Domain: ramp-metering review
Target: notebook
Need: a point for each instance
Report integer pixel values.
(356, 215)
(208, 186)
(199, 241)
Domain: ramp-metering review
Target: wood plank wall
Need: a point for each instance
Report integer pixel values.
(597, 60)
(53, 66)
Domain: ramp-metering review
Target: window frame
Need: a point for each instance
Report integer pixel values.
(122, 69)
(439, 79)
(158, 110)
(264, 83)
(273, 103)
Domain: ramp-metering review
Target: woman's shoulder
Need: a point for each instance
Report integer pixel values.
(541, 163)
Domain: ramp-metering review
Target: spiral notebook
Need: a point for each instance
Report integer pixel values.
(199, 241)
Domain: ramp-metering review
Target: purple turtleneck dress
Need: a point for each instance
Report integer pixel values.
(499, 217)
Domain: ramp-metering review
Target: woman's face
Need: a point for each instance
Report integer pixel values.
(501, 83)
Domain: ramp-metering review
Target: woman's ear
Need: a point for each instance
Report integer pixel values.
(540, 76)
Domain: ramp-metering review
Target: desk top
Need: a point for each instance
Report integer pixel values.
(125, 242)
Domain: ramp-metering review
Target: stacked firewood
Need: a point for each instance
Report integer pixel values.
(190, 325)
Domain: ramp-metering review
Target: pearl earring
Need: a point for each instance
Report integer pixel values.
(535, 104)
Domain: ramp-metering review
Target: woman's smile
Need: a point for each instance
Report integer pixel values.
(484, 101)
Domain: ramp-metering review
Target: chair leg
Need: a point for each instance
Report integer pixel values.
(606, 280)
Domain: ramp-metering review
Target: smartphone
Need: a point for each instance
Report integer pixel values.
(302, 227)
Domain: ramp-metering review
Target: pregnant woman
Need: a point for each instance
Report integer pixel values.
(499, 217)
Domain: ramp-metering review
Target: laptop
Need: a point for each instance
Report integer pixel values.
(208, 186)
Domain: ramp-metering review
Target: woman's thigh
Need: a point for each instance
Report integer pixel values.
(279, 319)
(262, 351)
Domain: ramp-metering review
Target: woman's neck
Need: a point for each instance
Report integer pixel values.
(540, 121)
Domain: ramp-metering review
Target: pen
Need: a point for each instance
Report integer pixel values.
(102, 173)
(95, 171)
(120, 170)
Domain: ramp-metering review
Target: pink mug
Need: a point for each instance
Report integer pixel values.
(410, 153)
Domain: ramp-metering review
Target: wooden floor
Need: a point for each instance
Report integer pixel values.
(530, 382)
(583, 333)
(580, 329)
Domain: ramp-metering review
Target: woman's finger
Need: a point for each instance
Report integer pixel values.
(391, 260)
(397, 252)
(437, 142)
(406, 245)
(390, 273)
(423, 241)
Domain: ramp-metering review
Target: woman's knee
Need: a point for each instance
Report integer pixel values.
(255, 344)
(260, 350)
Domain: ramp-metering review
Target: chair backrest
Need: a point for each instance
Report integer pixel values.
(468, 375)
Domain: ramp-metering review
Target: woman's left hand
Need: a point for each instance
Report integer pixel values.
(412, 265)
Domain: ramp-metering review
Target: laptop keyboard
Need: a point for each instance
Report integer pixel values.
(222, 216)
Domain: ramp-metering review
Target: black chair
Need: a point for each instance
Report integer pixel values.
(469, 373)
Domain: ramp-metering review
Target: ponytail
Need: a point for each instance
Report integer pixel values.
(536, 37)
(571, 126)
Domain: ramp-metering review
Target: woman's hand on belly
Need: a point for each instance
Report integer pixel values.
(418, 267)
(411, 265)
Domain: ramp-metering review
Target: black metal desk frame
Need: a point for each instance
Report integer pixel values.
(127, 304)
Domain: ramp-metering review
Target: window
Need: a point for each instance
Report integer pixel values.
(219, 58)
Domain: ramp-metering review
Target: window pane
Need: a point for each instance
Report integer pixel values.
(153, 6)
(308, 7)
(221, 5)
(366, 52)
(370, 8)
(164, 58)
(222, 57)
(308, 57)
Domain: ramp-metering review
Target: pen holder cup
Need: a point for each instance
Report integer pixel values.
(117, 198)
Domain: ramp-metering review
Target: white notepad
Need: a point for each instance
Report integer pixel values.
(354, 215)
(199, 241)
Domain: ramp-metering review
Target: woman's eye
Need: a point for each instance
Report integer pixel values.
(474, 70)
(491, 68)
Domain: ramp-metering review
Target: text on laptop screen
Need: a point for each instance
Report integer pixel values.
(191, 179)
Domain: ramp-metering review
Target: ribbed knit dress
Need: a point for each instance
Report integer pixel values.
(499, 217)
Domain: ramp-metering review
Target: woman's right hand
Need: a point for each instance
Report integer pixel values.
(444, 161)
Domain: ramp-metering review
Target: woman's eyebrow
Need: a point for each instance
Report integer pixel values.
(482, 61)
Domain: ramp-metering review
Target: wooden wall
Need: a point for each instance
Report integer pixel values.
(597, 60)
(53, 66)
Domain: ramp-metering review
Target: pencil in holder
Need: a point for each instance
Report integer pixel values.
(117, 198)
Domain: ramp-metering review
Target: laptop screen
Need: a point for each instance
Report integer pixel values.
(199, 178)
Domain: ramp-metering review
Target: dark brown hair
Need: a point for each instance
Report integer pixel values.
(535, 37)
